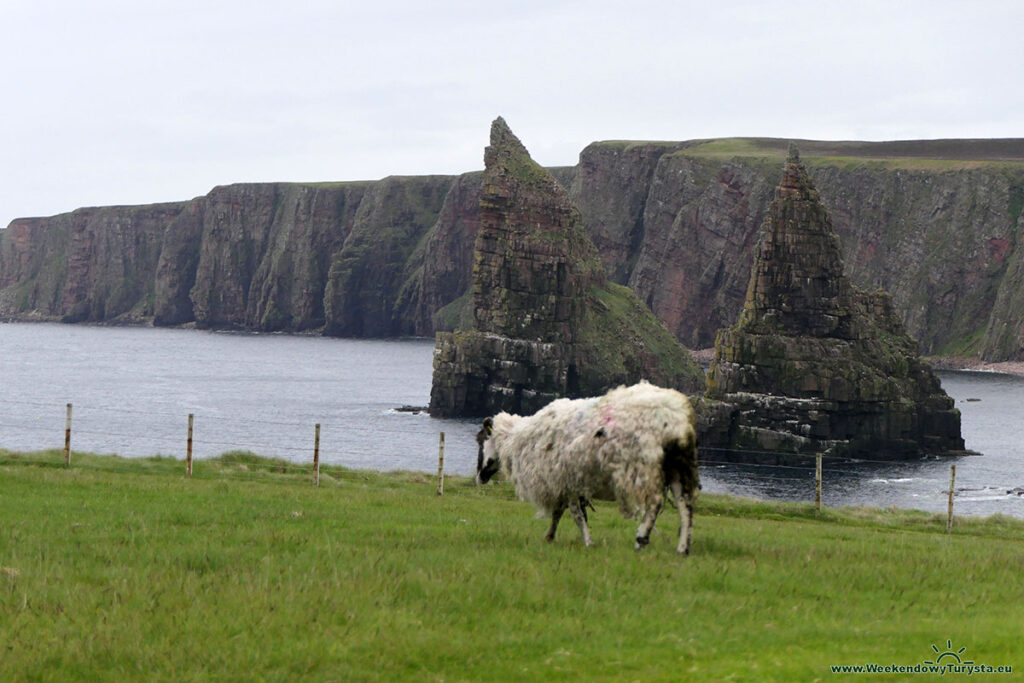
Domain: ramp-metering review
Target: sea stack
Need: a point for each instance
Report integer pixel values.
(546, 323)
(816, 365)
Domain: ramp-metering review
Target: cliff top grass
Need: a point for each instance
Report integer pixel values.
(923, 155)
(125, 569)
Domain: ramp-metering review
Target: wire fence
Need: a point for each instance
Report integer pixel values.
(362, 445)
(389, 441)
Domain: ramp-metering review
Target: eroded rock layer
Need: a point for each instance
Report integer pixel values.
(936, 223)
(546, 323)
(815, 364)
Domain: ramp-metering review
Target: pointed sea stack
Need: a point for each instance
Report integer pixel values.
(814, 364)
(546, 322)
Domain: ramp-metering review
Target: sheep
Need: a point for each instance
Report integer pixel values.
(628, 445)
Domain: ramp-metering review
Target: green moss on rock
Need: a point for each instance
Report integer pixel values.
(814, 363)
(545, 321)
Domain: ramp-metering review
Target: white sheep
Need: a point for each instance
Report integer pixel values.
(628, 445)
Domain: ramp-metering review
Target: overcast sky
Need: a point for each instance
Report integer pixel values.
(140, 101)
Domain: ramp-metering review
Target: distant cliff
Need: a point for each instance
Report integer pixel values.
(267, 257)
(933, 222)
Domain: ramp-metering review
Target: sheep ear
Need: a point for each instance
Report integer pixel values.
(488, 426)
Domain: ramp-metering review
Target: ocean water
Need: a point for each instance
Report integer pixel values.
(132, 389)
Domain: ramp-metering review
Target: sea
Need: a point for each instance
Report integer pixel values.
(132, 390)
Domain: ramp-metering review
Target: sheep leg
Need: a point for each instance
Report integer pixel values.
(579, 515)
(685, 505)
(643, 532)
(556, 516)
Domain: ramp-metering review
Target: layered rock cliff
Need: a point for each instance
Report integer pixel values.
(89, 265)
(267, 257)
(933, 222)
(816, 364)
(546, 324)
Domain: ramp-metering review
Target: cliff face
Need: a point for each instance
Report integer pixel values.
(938, 234)
(89, 265)
(268, 257)
(438, 292)
(933, 222)
(368, 274)
(612, 187)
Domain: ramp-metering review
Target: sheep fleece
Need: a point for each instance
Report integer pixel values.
(599, 448)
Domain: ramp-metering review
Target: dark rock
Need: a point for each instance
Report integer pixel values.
(90, 265)
(546, 323)
(815, 364)
(439, 297)
(937, 231)
(367, 275)
(935, 223)
(415, 410)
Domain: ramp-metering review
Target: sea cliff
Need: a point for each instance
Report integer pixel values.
(933, 222)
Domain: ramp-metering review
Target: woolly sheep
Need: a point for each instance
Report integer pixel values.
(628, 445)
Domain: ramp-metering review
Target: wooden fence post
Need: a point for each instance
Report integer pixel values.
(188, 456)
(817, 483)
(67, 438)
(316, 456)
(440, 465)
(952, 482)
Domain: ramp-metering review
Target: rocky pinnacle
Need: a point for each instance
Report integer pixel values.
(546, 324)
(814, 364)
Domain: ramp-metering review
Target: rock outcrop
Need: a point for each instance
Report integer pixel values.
(546, 322)
(815, 364)
(935, 223)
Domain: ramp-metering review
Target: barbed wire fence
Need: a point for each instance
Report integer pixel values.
(296, 461)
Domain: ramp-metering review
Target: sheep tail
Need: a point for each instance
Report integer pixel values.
(680, 463)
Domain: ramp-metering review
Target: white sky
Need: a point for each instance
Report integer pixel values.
(140, 101)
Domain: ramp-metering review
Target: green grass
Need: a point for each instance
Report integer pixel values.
(964, 346)
(121, 569)
(615, 314)
(932, 156)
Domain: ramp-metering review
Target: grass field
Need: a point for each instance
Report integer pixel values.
(121, 569)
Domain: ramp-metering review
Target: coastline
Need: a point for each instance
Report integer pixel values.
(703, 356)
(1010, 367)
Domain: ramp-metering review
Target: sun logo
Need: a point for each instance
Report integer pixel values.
(949, 653)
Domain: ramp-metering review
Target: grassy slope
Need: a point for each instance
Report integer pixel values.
(124, 569)
(619, 335)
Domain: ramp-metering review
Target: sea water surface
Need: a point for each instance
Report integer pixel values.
(132, 389)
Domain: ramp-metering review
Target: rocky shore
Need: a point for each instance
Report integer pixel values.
(976, 365)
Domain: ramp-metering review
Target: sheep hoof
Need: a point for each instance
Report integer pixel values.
(641, 542)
